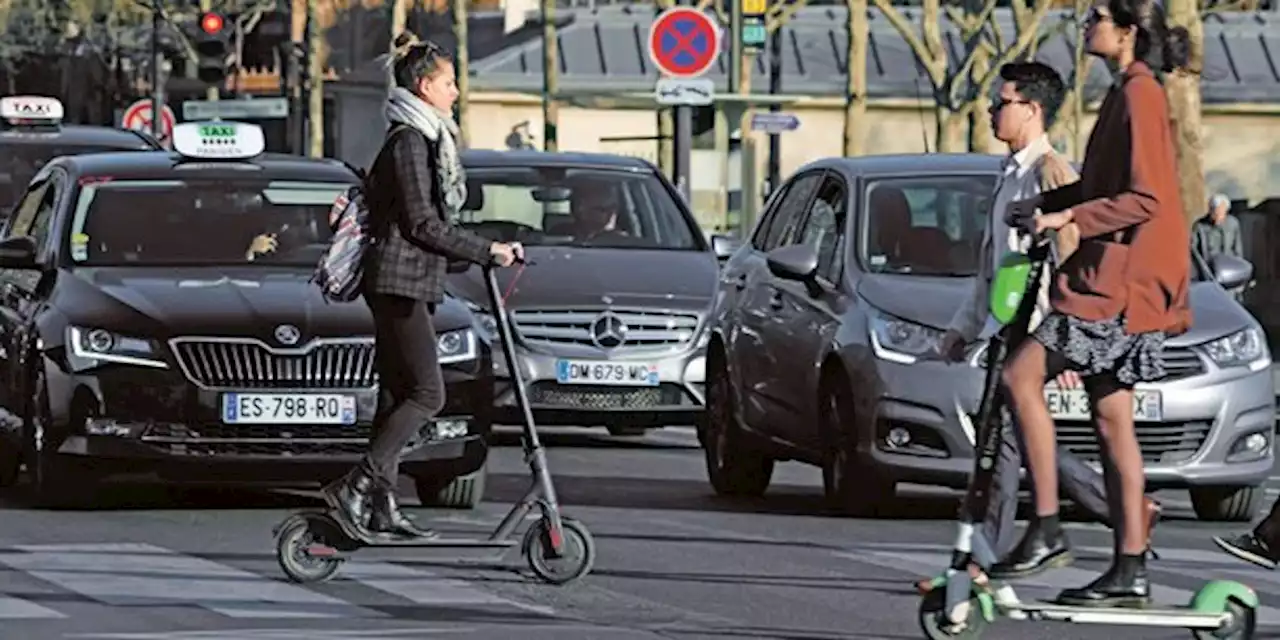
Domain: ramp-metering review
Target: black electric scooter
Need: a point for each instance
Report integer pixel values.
(311, 545)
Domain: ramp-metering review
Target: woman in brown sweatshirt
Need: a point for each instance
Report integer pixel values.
(1115, 300)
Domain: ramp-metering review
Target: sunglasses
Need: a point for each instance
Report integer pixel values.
(1004, 102)
(1094, 17)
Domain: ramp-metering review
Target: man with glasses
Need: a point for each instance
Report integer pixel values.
(1030, 95)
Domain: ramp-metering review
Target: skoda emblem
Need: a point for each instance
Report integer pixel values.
(287, 335)
(608, 331)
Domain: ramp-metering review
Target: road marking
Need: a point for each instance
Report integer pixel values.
(425, 588)
(18, 609)
(132, 574)
(1045, 586)
(277, 634)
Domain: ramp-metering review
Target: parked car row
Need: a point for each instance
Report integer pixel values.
(824, 319)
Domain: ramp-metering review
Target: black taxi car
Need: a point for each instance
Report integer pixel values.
(32, 133)
(159, 323)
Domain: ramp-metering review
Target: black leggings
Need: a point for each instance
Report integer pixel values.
(411, 385)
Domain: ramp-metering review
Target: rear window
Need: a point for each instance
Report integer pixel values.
(19, 163)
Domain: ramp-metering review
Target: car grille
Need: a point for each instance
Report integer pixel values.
(248, 364)
(1181, 362)
(258, 440)
(605, 398)
(646, 329)
(1161, 442)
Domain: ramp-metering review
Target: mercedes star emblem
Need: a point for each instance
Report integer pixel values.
(608, 331)
(288, 334)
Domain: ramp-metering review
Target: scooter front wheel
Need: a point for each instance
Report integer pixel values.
(1240, 626)
(577, 551)
(934, 624)
(303, 549)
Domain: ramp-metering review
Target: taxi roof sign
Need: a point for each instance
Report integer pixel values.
(218, 140)
(31, 109)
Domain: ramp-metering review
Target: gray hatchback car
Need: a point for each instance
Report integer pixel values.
(824, 322)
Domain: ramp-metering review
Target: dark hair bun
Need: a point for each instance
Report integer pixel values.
(403, 42)
(1177, 49)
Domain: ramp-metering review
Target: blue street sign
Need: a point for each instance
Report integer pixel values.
(769, 122)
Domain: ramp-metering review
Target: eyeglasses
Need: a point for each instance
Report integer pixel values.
(1004, 102)
(1094, 17)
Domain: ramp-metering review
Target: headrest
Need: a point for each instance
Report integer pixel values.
(890, 210)
(475, 197)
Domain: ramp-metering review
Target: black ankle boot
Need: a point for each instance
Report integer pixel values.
(1125, 584)
(1044, 546)
(386, 517)
(348, 497)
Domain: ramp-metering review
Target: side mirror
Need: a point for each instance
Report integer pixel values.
(794, 262)
(18, 252)
(1231, 272)
(724, 246)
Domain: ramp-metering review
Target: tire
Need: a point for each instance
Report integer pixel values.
(578, 547)
(1242, 626)
(292, 541)
(930, 610)
(1226, 504)
(462, 492)
(56, 483)
(849, 487)
(733, 467)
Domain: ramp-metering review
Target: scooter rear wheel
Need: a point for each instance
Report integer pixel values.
(577, 551)
(297, 537)
(1241, 627)
(932, 611)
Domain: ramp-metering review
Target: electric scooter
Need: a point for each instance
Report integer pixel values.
(960, 606)
(311, 545)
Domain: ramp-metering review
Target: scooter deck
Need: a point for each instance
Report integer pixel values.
(1156, 616)
(439, 541)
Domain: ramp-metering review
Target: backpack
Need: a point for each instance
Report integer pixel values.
(341, 268)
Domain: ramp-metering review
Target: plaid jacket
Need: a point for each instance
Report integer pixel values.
(412, 239)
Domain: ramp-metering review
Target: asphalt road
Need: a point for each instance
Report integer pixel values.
(674, 562)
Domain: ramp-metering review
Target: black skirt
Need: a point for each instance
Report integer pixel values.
(1102, 347)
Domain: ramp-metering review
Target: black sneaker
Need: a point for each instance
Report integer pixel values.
(1249, 548)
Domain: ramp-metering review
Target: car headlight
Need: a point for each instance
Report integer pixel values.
(458, 345)
(1244, 347)
(898, 340)
(92, 347)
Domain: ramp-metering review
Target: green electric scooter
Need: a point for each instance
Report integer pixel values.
(960, 606)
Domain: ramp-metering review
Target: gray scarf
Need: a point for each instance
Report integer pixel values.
(406, 108)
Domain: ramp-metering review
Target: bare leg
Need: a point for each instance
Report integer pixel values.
(1024, 385)
(1114, 420)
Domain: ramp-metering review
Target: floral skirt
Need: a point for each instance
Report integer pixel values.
(1102, 347)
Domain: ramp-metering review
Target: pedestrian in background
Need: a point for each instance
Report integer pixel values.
(1218, 233)
(416, 187)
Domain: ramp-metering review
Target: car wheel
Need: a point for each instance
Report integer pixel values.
(1225, 504)
(54, 481)
(733, 466)
(462, 492)
(849, 487)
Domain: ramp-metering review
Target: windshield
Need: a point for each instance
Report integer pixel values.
(575, 207)
(927, 226)
(20, 162)
(202, 222)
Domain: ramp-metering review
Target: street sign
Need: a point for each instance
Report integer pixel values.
(246, 109)
(138, 117)
(684, 42)
(695, 92)
(773, 123)
(754, 18)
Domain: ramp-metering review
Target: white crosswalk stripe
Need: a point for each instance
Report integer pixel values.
(1194, 565)
(135, 574)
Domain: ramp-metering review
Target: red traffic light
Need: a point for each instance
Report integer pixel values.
(211, 23)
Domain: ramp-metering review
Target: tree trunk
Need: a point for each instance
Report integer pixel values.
(1183, 90)
(980, 114)
(855, 106)
(319, 56)
(952, 131)
(666, 142)
(462, 64)
(399, 18)
(550, 78)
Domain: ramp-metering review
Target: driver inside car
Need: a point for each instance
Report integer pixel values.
(595, 212)
(291, 231)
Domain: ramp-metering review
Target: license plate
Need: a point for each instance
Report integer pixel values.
(627, 374)
(1074, 404)
(288, 408)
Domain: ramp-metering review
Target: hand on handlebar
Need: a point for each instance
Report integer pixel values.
(506, 254)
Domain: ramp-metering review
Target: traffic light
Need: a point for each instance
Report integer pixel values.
(213, 48)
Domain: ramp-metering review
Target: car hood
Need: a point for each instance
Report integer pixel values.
(246, 301)
(932, 301)
(568, 277)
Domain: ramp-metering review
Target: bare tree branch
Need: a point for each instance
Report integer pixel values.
(1025, 37)
(781, 13)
